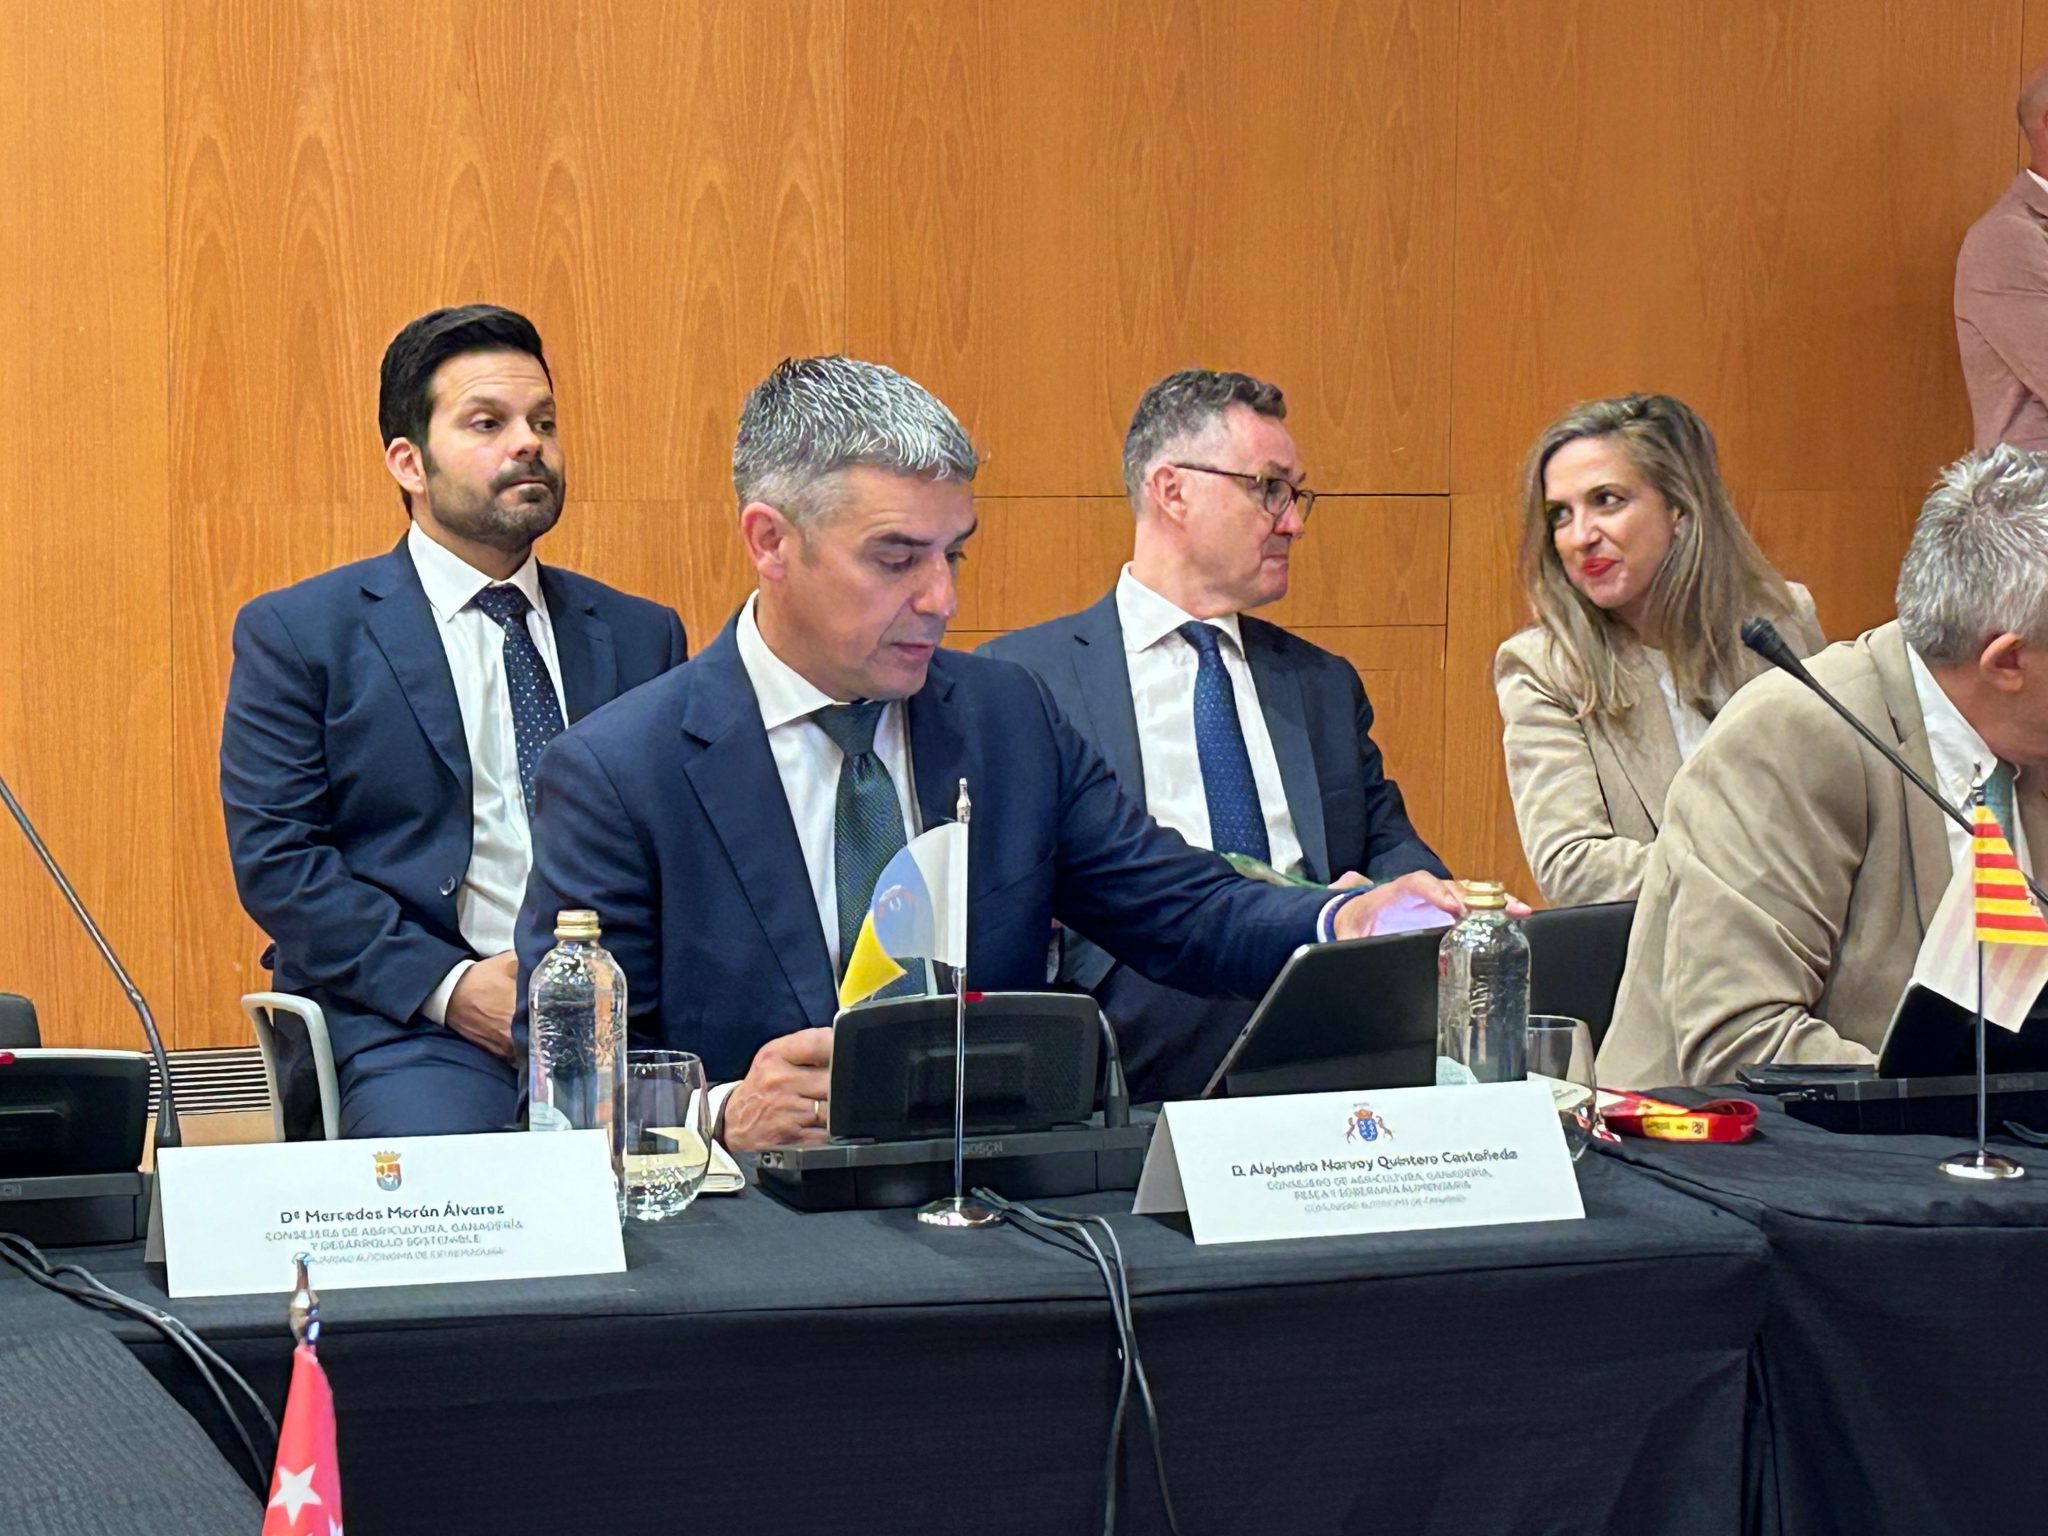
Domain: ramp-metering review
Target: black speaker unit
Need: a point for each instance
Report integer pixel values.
(1023, 1165)
(1919, 1106)
(1038, 1066)
(71, 1133)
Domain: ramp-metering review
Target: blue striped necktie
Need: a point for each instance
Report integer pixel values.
(536, 712)
(1237, 823)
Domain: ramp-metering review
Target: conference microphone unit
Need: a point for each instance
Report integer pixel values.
(89, 1207)
(1762, 636)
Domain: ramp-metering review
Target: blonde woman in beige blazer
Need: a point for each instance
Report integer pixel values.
(1639, 574)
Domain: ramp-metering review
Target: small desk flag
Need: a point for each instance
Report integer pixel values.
(305, 1488)
(2005, 913)
(919, 912)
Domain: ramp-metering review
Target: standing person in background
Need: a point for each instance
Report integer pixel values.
(2001, 298)
(384, 722)
(1639, 575)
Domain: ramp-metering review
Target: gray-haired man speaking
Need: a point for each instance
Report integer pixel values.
(728, 821)
(1796, 874)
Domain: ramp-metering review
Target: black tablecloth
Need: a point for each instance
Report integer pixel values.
(89, 1443)
(1901, 1366)
(764, 1371)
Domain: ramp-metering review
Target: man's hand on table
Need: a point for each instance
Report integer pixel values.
(781, 1100)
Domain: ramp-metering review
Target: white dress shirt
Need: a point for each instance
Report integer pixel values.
(1162, 667)
(1961, 758)
(808, 763)
(501, 846)
(1688, 725)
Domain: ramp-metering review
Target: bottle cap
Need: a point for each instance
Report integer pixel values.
(1484, 894)
(576, 923)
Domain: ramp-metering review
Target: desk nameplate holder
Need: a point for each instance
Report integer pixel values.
(1395, 1160)
(405, 1210)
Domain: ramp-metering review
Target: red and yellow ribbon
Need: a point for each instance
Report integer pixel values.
(1721, 1120)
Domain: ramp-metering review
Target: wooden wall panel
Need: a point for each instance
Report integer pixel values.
(1433, 224)
(1478, 837)
(1754, 206)
(1050, 205)
(1843, 545)
(1368, 561)
(85, 660)
(658, 187)
(1403, 671)
(1034, 558)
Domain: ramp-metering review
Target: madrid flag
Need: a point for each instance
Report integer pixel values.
(305, 1489)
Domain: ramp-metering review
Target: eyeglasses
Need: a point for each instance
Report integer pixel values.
(1275, 493)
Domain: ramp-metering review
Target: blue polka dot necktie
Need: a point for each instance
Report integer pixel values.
(536, 712)
(867, 826)
(1236, 822)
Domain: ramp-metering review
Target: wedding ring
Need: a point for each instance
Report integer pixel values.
(817, 1111)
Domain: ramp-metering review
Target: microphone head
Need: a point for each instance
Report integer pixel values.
(1762, 636)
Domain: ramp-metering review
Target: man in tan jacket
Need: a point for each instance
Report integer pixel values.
(2001, 297)
(1796, 873)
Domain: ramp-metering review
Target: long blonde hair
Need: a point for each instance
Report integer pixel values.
(1713, 576)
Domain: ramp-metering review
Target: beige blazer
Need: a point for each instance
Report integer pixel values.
(1589, 794)
(2001, 304)
(1786, 896)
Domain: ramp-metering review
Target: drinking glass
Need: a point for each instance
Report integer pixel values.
(1560, 1052)
(668, 1133)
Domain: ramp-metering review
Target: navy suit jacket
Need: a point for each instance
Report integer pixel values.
(664, 813)
(345, 775)
(1346, 811)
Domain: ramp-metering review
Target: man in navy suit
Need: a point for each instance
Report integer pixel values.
(384, 723)
(729, 821)
(1238, 735)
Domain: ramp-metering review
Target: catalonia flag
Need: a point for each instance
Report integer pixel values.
(2005, 915)
(919, 912)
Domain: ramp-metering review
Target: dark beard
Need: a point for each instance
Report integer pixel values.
(490, 519)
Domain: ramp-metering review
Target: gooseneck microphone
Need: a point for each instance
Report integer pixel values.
(167, 1105)
(1762, 636)
(1116, 1097)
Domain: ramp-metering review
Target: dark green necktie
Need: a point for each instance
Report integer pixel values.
(867, 819)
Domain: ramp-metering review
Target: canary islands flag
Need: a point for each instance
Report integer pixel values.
(2005, 915)
(919, 912)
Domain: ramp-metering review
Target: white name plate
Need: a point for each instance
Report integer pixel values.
(1323, 1164)
(403, 1210)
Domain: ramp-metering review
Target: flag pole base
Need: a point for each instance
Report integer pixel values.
(958, 1211)
(1980, 1165)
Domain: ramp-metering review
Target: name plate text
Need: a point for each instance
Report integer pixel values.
(1321, 1164)
(408, 1210)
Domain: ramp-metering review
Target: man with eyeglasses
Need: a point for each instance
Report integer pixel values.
(1229, 730)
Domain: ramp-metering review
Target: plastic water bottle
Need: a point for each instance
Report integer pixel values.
(576, 1036)
(1482, 989)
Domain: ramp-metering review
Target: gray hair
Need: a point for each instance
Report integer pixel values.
(1184, 405)
(815, 416)
(1978, 563)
